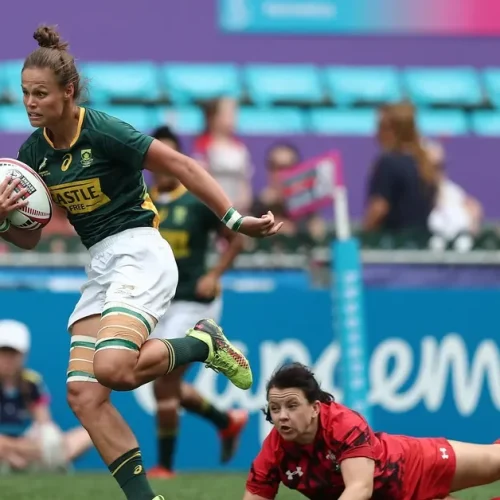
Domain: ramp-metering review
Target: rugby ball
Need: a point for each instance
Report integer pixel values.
(38, 212)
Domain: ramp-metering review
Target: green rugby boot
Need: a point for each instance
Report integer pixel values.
(223, 357)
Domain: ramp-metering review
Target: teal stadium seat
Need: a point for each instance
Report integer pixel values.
(491, 79)
(140, 117)
(10, 80)
(183, 119)
(446, 122)
(353, 122)
(127, 81)
(185, 83)
(271, 121)
(486, 123)
(283, 83)
(350, 85)
(454, 86)
(13, 118)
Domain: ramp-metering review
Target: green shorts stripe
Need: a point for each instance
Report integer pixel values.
(86, 345)
(116, 344)
(130, 312)
(80, 376)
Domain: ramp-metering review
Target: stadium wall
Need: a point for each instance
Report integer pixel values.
(434, 366)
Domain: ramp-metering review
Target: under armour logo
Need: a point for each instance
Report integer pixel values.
(296, 472)
(444, 453)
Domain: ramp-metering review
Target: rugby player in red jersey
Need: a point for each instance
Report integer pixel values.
(327, 451)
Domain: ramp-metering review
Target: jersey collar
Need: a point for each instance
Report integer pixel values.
(78, 130)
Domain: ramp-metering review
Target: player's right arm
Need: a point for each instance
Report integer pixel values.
(10, 201)
(263, 479)
(251, 496)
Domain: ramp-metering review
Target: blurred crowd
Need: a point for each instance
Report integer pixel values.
(408, 185)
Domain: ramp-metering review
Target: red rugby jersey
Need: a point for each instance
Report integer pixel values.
(314, 469)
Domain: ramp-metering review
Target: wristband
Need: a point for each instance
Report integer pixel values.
(4, 226)
(232, 219)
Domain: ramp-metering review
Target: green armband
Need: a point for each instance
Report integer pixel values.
(232, 219)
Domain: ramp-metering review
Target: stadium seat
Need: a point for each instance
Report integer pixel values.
(362, 122)
(183, 119)
(285, 83)
(486, 123)
(454, 86)
(491, 78)
(448, 122)
(348, 85)
(140, 117)
(271, 121)
(127, 81)
(10, 80)
(185, 83)
(13, 118)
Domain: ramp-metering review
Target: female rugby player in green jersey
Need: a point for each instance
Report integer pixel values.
(92, 164)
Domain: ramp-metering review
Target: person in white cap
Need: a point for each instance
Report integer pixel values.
(29, 439)
(456, 211)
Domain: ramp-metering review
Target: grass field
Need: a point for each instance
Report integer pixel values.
(185, 487)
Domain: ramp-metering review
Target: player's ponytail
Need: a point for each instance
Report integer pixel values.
(49, 38)
(53, 54)
(297, 376)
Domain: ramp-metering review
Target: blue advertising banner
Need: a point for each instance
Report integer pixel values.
(433, 362)
(446, 17)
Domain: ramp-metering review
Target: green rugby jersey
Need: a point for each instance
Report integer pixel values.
(187, 224)
(98, 180)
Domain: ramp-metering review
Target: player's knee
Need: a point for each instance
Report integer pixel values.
(168, 409)
(115, 370)
(85, 400)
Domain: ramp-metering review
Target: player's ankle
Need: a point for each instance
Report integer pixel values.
(129, 472)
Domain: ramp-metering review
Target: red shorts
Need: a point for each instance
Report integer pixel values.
(430, 468)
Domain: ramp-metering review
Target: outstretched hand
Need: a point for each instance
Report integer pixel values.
(260, 227)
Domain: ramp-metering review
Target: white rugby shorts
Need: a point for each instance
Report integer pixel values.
(183, 315)
(136, 268)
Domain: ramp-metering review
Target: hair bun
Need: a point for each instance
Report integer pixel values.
(48, 37)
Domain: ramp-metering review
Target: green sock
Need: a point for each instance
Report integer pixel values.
(167, 439)
(184, 351)
(219, 418)
(128, 470)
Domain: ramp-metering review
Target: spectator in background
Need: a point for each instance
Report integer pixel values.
(456, 211)
(225, 157)
(29, 439)
(403, 183)
(280, 156)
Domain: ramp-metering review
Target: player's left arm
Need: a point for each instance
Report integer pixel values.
(162, 159)
(208, 284)
(235, 243)
(353, 440)
(357, 474)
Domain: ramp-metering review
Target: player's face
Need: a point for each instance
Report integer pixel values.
(225, 118)
(43, 98)
(11, 362)
(165, 182)
(292, 414)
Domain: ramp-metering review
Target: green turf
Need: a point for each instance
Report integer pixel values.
(185, 487)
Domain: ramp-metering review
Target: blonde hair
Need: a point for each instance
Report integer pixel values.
(401, 118)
